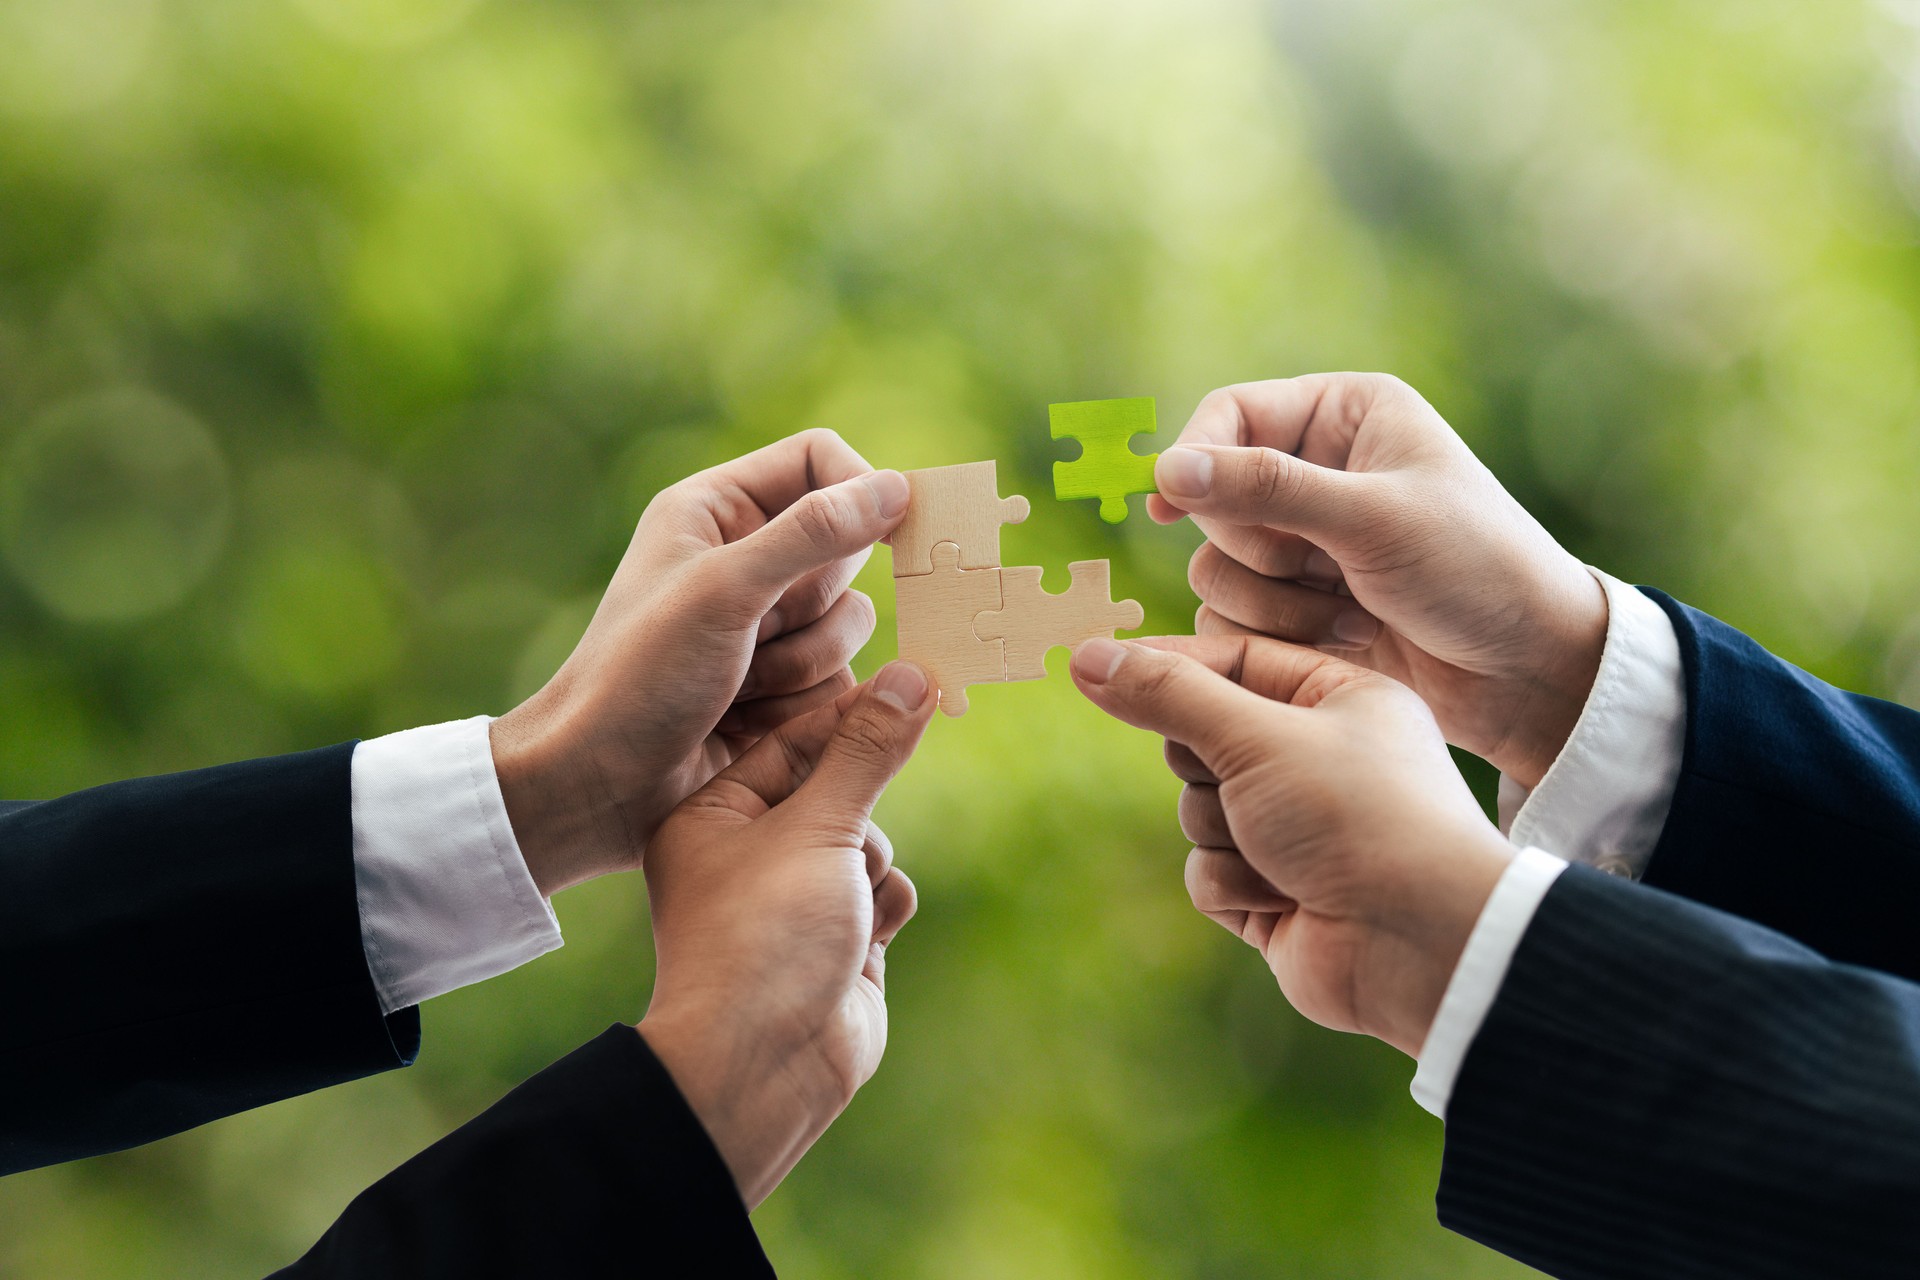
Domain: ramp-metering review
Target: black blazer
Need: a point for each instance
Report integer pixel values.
(1716, 1073)
(181, 948)
(593, 1168)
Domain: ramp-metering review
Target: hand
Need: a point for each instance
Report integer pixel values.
(730, 614)
(1341, 511)
(1332, 832)
(774, 898)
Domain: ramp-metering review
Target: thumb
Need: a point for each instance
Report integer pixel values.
(1260, 486)
(873, 742)
(1176, 697)
(824, 526)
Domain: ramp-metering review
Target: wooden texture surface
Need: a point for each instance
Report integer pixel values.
(936, 612)
(961, 505)
(1030, 621)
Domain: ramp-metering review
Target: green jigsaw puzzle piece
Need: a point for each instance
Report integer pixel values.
(1106, 469)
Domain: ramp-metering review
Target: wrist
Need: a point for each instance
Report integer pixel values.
(760, 1113)
(566, 827)
(1574, 635)
(1426, 929)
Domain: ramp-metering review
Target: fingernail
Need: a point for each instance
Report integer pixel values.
(890, 493)
(902, 684)
(1320, 567)
(1097, 659)
(770, 625)
(1357, 628)
(1184, 473)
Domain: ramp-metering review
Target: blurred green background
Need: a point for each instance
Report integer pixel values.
(342, 342)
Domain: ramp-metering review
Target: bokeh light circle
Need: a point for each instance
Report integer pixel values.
(318, 621)
(113, 505)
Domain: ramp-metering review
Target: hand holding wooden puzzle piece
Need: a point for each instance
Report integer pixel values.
(968, 620)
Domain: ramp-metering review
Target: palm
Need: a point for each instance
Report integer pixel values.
(856, 1037)
(1464, 700)
(696, 721)
(774, 896)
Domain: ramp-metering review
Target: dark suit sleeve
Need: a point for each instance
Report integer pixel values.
(595, 1167)
(1664, 1090)
(180, 948)
(1798, 805)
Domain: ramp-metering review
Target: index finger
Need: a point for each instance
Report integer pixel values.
(750, 490)
(1314, 417)
(1274, 669)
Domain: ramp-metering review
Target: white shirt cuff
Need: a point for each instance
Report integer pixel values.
(446, 899)
(1605, 800)
(1483, 967)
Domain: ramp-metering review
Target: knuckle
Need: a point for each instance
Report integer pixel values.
(1213, 818)
(879, 861)
(1186, 765)
(1194, 818)
(1240, 750)
(678, 495)
(797, 763)
(908, 896)
(1159, 675)
(1266, 477)
(777, 667)
(1211, 810)
(1290, 616)
(820, 517)
(1203, 879)
(1260, 554)
(813, 654)
(1385, 384)
(862, 615)
(830, 457)
(1242, 600)
(810, 598)
(1203, 570)
(1220, 400)
(1271, 558)
(1377, 391)
(869, 734)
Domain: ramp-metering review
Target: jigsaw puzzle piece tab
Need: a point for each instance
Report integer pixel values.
(1106, 468)
(961, 505)
(1031, 621)
(936, 612)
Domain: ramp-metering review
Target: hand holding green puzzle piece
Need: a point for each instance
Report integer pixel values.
(968, 620)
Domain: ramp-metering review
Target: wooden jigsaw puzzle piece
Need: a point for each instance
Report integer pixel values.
(961, 505)
(936, 612)
(1106, 468)
(1030, 621)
